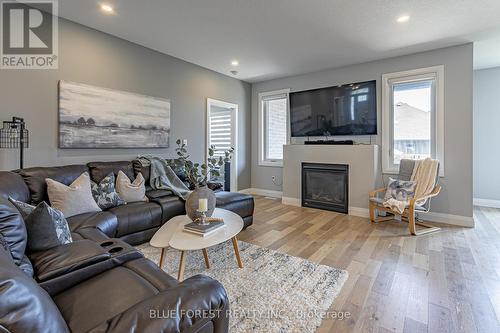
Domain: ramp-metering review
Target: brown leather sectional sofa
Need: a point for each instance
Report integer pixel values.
(99, 282)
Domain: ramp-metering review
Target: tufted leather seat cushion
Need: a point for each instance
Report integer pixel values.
(136, 216)
(35, 179)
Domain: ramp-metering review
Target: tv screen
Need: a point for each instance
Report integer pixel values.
(349, 109)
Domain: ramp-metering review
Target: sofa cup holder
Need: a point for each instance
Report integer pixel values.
(115, 249)
(107, 243)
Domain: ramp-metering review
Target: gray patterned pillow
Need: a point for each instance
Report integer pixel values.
(24, 208)
(46, 226)
(401, 190)
(105, 193)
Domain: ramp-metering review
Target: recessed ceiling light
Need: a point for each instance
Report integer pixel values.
(235, 63)
(403, 18)
(107, 8)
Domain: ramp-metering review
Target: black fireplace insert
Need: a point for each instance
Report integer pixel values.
(325, 186)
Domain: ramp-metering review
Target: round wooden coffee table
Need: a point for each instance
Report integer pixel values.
(172, 234)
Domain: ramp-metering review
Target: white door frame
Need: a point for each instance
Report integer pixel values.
(234, 137)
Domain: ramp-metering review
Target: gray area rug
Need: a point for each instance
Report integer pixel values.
(273, 292)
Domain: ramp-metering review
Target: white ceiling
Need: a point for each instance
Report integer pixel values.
(276, 38)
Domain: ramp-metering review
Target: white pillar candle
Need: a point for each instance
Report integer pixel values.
(203, 205)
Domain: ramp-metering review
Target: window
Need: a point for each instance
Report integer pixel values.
(413, 116)
(273, 129)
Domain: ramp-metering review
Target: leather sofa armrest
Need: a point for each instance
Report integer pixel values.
(191, 306)
(66, 258)
(62, 267)
(93, 234)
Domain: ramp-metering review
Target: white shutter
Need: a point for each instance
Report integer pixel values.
(220, 130)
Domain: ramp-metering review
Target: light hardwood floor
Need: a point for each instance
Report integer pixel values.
(448, 281)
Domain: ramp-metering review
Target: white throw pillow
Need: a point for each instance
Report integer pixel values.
(73, 199)
(131, 191)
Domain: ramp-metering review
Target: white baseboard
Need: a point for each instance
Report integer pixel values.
(458, 220)
(262, 192)
(358, 211)
(355, 211)
(291, 201)
(486, 203)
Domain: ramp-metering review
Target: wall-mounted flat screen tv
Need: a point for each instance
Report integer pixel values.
(349, 109)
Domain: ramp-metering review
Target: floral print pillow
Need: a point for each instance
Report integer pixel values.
(46, 226)
(401, 190)
(105, 194)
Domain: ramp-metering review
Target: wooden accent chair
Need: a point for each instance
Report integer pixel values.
(409, 215)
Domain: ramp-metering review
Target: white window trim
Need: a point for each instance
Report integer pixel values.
(234, 157)
(262, 96)
(438, 73)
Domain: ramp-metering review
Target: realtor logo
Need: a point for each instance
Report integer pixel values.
(29, 34)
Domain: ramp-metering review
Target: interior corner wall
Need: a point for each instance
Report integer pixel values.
(92, 57)
(486, 134)
(456, 195)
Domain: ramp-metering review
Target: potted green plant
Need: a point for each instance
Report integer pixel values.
(199, 174)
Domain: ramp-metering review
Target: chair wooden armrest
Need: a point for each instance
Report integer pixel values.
(373, 193)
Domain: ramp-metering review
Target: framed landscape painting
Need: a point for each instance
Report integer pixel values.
(95, 117)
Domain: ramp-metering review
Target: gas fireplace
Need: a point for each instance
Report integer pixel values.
(325, 186)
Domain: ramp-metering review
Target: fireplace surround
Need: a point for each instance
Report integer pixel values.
(325, 186)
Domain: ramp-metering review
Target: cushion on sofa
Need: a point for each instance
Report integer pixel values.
(13, 230)
(24, 305)
(35, 179)
(46, 227)
(72, 199)
(105, 194)
(131, 191)
(136, 216)
(99, 170)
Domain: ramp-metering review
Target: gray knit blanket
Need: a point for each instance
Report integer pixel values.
(162, 177)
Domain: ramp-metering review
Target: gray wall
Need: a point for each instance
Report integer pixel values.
(486, 134)
(92, 57)
(456, 196)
